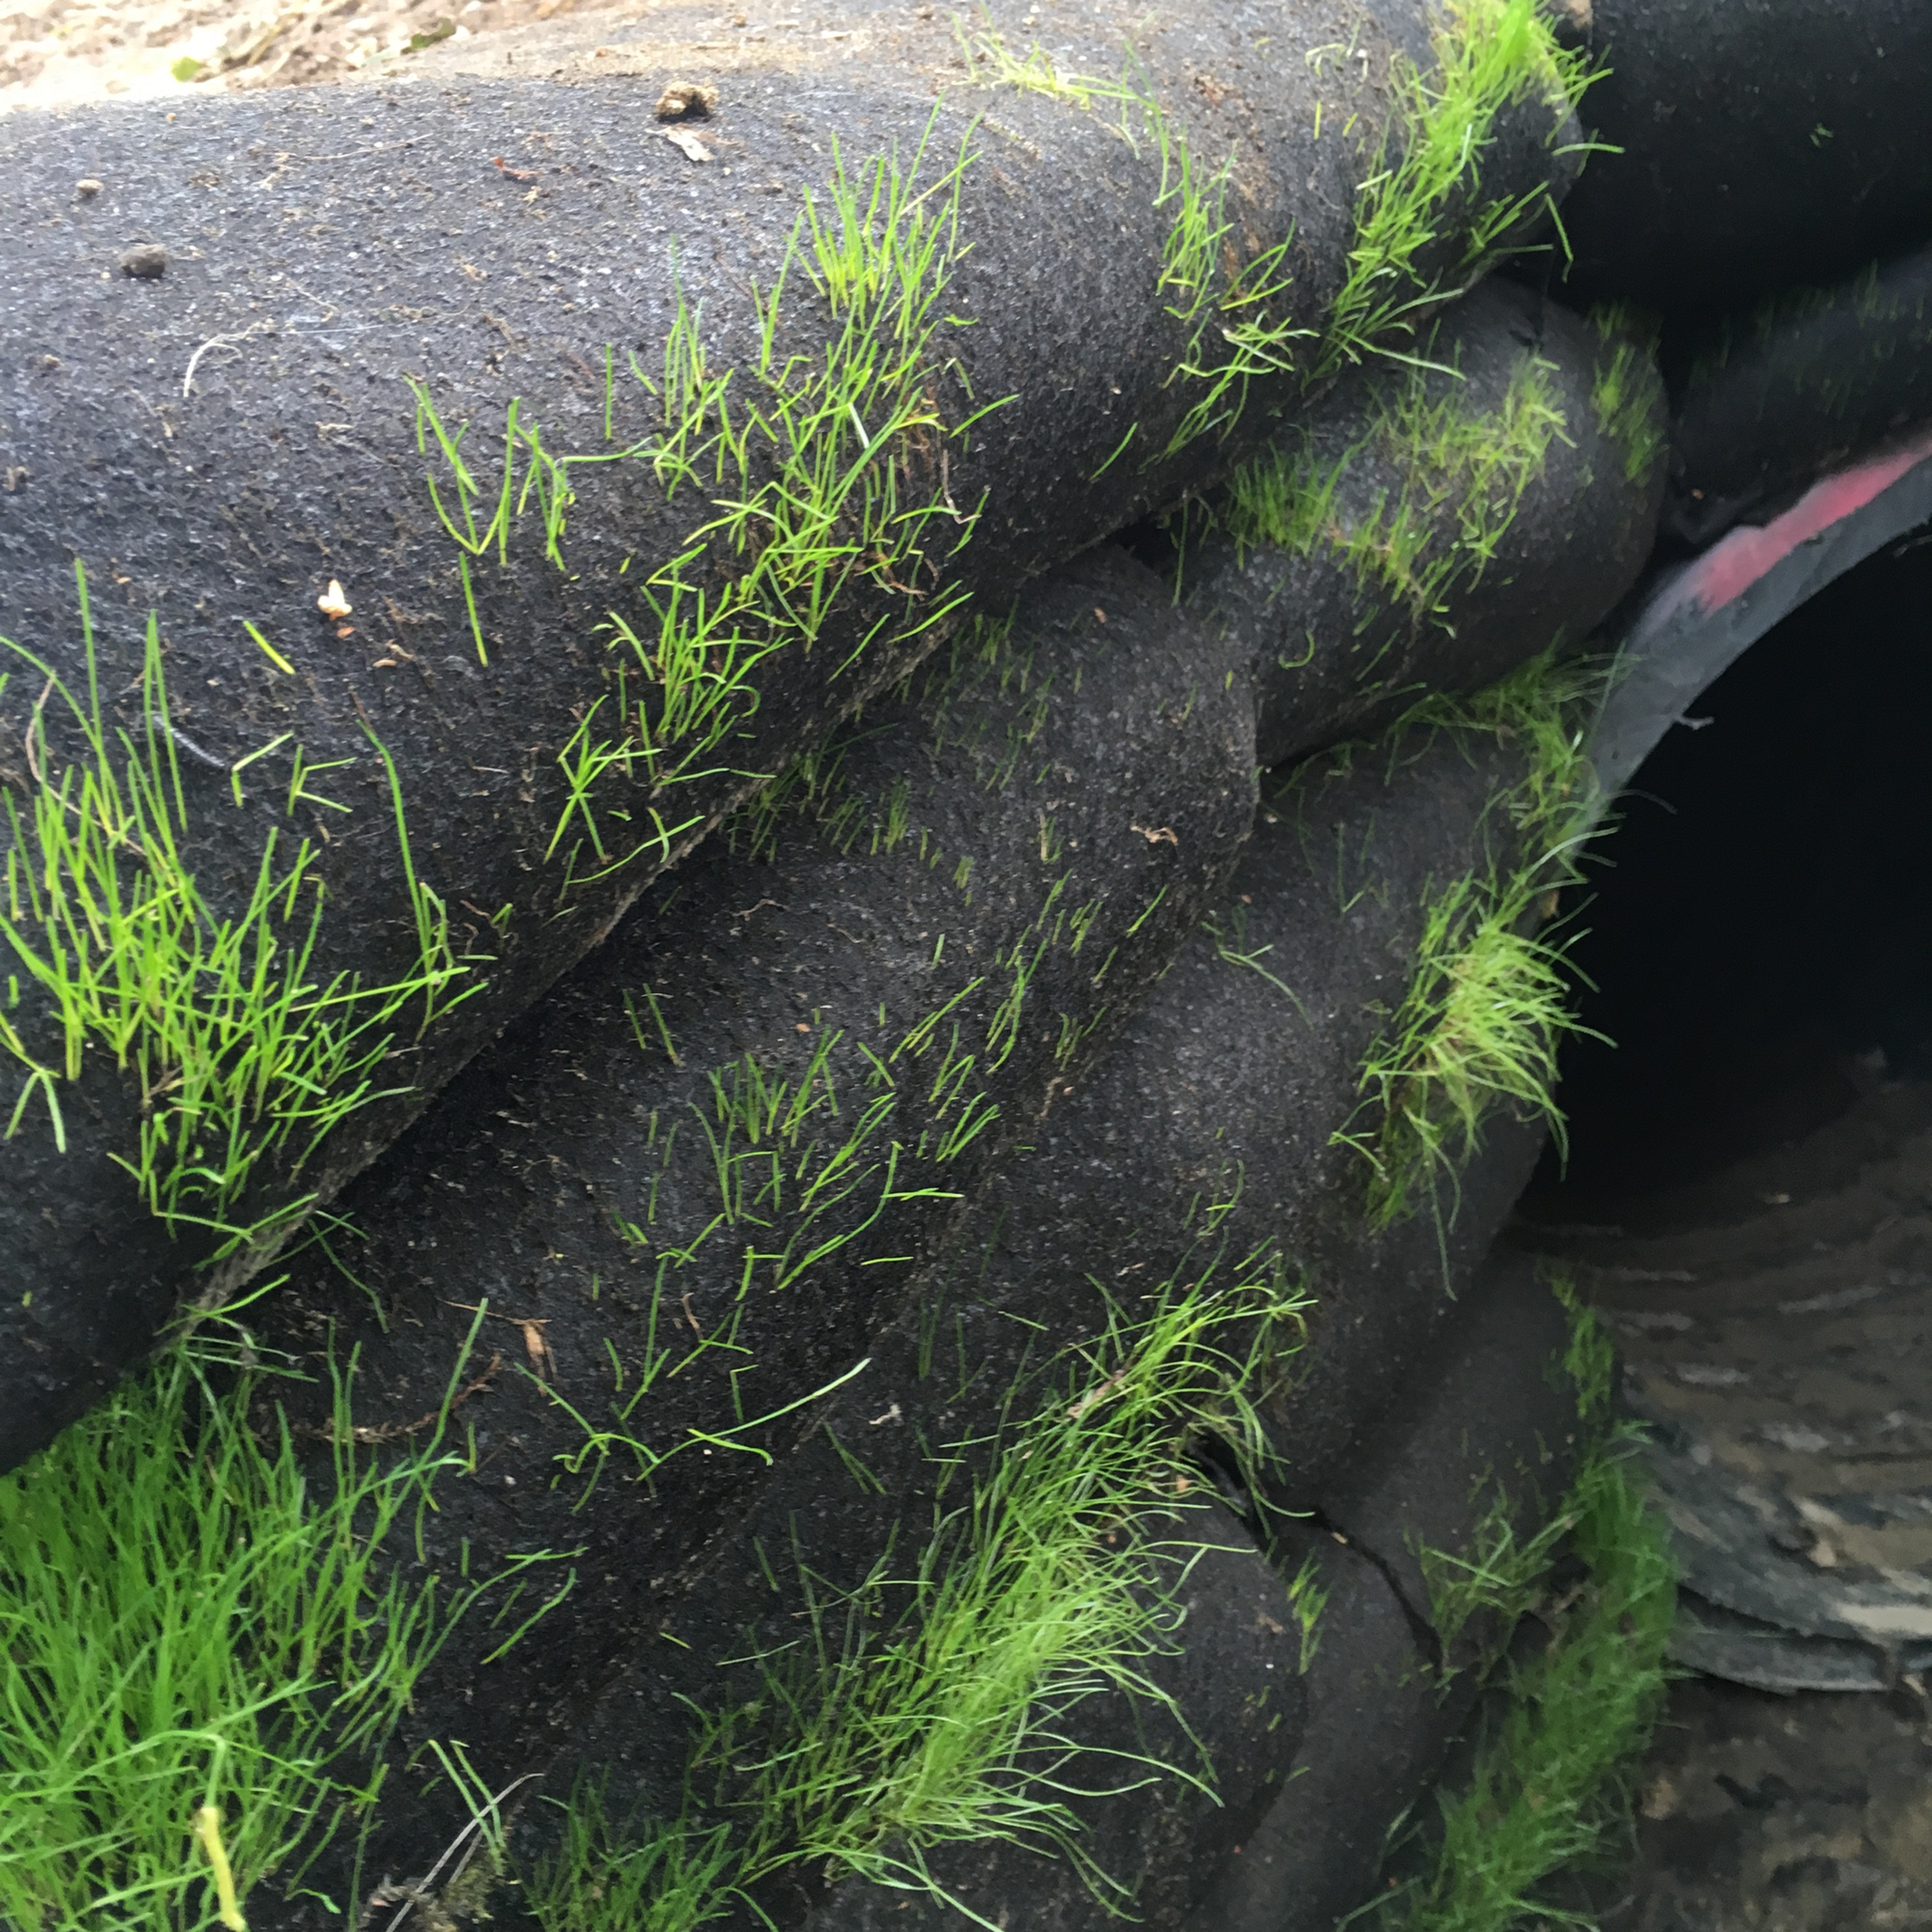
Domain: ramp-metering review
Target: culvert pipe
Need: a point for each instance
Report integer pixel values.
(412, 701)
(1765, 1255)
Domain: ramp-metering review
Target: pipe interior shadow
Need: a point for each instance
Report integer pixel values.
(1758, 936)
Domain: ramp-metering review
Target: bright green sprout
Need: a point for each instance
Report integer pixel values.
(239, 1052)
(1491, 55)
(1464, 474)
(186, 1623)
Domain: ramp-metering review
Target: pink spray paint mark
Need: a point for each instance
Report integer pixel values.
(1738, 560)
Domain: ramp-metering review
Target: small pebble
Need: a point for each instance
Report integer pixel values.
(685, 100)
(87, 189)
(147, 263)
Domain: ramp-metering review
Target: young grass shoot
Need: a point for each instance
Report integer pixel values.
(1488, 1002)
(201, 1659)
(239, 1052)
(930, 1705)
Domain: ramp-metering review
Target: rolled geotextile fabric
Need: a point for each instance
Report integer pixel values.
(462, 625)
(1477, 1454)
(1753, 147)
(1430, 519)
(1200, 1149)
(1517, 484)
(909, 954)
(1783, 394)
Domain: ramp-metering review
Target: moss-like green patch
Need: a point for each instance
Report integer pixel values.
(1627, 410)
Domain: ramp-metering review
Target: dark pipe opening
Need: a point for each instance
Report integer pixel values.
(1759, 933)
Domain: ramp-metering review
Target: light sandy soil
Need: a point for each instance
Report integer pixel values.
(56, 53)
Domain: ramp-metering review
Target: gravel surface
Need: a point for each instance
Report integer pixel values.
(58, 53)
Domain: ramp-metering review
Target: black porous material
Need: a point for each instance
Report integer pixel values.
(1763, 143)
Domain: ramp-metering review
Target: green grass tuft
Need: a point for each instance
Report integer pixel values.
(1589, 1362)
(1488, 1002)
(1499, 1578)
(239, 1052)
(182, 1624)
(1472, 466)
(1549, 1788)
(929, 1706)
(824, 479)
(1491, 55)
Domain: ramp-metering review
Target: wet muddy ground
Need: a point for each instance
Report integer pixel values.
(1763, 1813)
(1776, 1320)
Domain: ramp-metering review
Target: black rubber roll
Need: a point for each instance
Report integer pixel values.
(357, 669)
(1781, 395)
(1761, 143)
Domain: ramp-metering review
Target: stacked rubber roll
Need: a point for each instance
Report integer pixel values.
(1049, 268)
(980, 962)
(1009, 962)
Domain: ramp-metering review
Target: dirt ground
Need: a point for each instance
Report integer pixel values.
(58, 53)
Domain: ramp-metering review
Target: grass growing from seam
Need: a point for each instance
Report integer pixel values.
(1491, 55)
(823, 478)
(240, 1052)
(183, 1624)
(931, 1702)
(1488, 1001)
(1549, 1788)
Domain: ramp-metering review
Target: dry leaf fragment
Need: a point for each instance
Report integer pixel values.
(687, 144)
(332, 603)
(685, 100)
(542, 1362)
(1158, 834)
